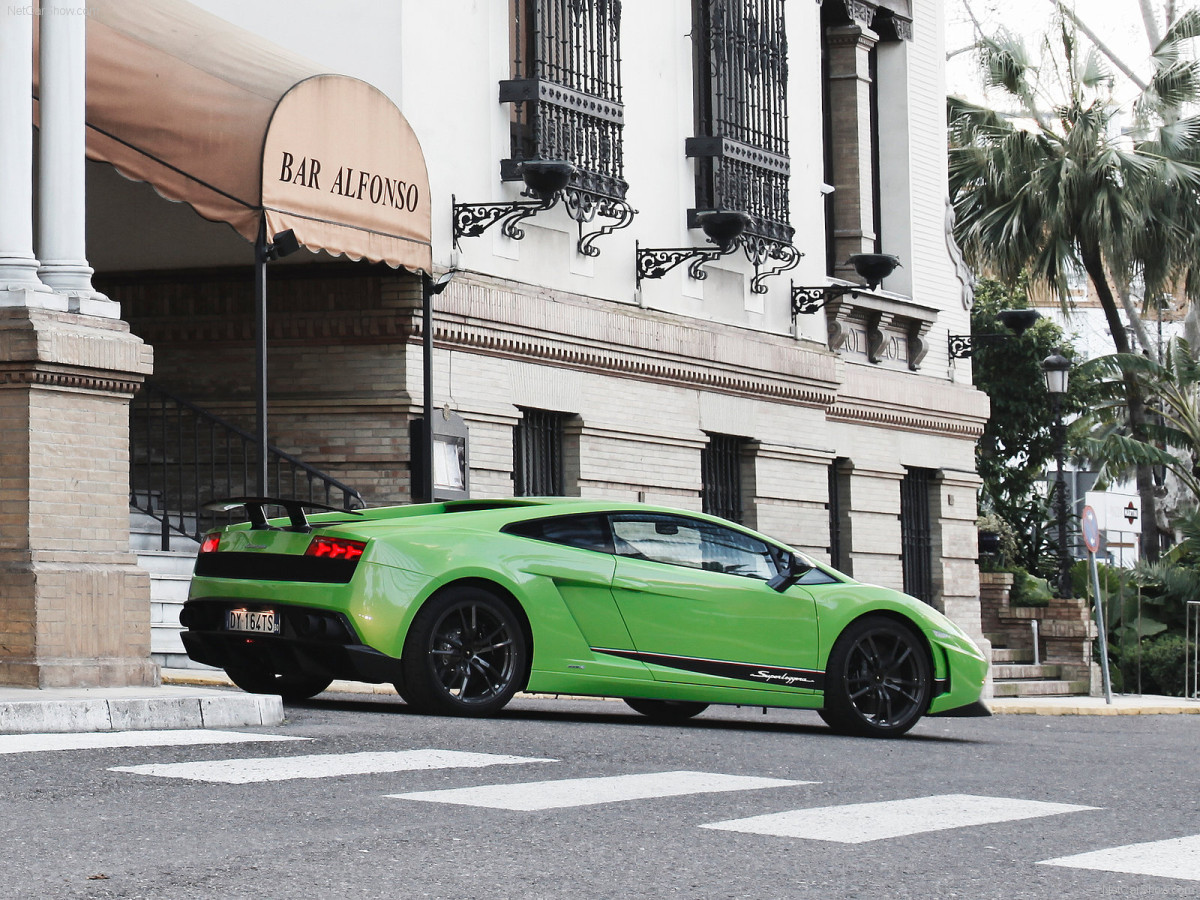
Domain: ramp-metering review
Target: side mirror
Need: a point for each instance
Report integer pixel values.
(795, 570)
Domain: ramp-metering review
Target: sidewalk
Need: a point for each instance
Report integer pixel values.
(1122, 705)
(199, 698)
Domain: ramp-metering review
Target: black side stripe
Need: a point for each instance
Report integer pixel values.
(770, 676)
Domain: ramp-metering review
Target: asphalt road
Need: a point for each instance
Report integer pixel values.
(619, 819)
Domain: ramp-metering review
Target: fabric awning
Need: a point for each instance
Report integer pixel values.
(239, 129)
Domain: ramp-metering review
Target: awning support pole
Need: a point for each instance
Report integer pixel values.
(427, 381)
(260, 353)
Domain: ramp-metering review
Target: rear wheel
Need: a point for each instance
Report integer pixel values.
(464, 655)
(878, 682)
(666, 710)
(290, 686)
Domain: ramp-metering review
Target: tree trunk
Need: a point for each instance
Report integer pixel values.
(1135, 399)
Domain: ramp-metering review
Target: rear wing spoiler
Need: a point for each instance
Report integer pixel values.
(256, 510)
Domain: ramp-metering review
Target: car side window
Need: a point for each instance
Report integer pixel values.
(588, 532)
(679, 541)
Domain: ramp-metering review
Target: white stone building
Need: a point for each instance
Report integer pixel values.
(579, 359)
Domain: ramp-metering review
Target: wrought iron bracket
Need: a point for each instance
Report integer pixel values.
(963, 346)
(808, 300)
(657, 262)
(584, 206)
(473, 219)
(759, 250)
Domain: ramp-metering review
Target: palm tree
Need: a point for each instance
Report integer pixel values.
(1074, 180)
(1172, 436)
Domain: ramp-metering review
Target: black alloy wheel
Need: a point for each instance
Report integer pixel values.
(464, 655)
(878, 682)
(666, 710)
(290, 686)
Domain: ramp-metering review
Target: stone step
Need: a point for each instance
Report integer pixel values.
(1001, 655)
(168, 562)
(1040, 689)
(169, 588)
(145, 533)
(1026, 672)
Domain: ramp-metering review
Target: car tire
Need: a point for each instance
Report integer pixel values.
(464, 655)
(666, 710)
(290, 686)
(879, 679)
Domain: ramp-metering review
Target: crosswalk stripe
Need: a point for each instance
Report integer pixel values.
(590, 791)
(36, 743)
(861, 822)
(1173, 858)
(327, 765)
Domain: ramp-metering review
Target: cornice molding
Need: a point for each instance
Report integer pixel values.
(86, 382)
(852, 412)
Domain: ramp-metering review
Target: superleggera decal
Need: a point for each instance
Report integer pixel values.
(769, 675)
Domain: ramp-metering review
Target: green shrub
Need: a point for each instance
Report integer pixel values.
(1028, 590)
(1163, 659)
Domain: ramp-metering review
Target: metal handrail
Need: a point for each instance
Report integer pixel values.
(182, 456)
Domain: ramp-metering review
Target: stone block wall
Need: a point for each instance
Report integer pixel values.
(74, 606)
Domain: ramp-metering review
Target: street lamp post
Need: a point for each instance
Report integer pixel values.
(1057, 368)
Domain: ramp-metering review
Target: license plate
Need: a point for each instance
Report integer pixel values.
(264, 621)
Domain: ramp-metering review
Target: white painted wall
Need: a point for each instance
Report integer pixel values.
(442, 63)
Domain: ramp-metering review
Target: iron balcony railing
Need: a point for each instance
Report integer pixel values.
(182, 456)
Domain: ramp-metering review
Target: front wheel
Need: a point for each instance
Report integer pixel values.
(878, 682)
(666, 710)
(464, 655)
(290, 686)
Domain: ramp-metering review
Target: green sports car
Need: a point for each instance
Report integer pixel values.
(461, 604)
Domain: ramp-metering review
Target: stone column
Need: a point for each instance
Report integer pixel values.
(19, 283)
(61, 203)
(74, 605)
(849, 48)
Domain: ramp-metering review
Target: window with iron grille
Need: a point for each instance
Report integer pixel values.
(916, 537)
(721, 476)
(538, 454)
(741, 146)
(566, 94)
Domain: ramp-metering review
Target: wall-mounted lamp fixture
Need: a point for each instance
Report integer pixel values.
(1017, 321)
(871, 268)
(722, 227)
(544, 180)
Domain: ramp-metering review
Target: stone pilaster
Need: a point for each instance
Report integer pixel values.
(853, 152)
(73, 602)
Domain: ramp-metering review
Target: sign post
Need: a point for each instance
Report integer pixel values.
(1091, 540)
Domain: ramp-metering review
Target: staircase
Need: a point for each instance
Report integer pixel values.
(181, 457)
(170, 574)
(1065, 635)
(1015, 675)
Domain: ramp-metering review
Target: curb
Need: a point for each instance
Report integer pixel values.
(1095, 706)
(151, 709)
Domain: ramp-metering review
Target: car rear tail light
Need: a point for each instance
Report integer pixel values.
(336, 548)
(211, 542)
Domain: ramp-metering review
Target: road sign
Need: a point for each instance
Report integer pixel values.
(1091, 530)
